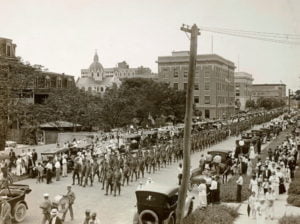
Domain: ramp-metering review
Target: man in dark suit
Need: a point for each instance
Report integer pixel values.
(12, 158)
(54, 218)
(266, 172)
(34, 157)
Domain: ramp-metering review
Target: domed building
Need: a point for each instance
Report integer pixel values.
(94, 80)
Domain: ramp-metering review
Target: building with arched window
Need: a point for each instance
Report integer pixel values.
(94, 79)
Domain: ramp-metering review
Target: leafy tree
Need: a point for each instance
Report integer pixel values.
(137, 99)
(250, 104)
(15, 80)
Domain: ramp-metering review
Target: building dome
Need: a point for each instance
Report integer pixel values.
(96, 65)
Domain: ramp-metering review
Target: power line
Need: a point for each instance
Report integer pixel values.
(257, 33)
(252, 36)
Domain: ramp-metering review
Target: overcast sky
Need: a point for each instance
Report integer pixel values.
(62, 35)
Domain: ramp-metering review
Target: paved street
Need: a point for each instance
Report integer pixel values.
(117, 210)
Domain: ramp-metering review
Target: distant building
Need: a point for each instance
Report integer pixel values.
(40, 83)
(7, 47)
(243, 86)
(268, 91)
(214, 81)
(97, 79)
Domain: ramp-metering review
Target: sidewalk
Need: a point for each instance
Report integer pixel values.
(281, 208)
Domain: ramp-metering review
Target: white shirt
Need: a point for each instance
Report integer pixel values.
(57, 165)
(240, 181)
(53, 220)
(49, 166)
(214, 185)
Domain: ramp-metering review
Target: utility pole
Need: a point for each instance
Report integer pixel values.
(194, 31)
(289, 100)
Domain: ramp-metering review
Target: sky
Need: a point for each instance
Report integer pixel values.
(62, 35)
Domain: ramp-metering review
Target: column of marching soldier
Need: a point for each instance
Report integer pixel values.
(115, 170)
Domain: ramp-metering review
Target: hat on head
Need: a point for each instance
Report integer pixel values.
(46, 195)
(94, 214)
(88, 211)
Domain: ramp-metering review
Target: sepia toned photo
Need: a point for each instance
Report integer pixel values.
(150, 112)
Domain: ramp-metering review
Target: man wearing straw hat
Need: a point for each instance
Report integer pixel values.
(46, 208)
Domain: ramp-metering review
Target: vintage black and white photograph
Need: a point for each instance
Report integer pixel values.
(150, 112)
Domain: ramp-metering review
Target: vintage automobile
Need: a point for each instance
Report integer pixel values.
(156, 204)
(196, 174)
(15, 195)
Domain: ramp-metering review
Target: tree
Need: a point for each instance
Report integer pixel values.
(250, 104)
(137, 99)
(16, 80)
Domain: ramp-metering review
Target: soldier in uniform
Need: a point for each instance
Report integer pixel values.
(46, 208)
(104, 169)
(82, 172)
(88, 173)
(141, 165)
(126, 174)
(109, 180)
(134, 168)
(71, 196)
(117, 176)
(96, 169)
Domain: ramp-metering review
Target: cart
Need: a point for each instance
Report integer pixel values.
(15, 195)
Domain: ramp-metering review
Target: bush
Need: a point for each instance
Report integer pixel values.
(228, 190)
(294, 199)
(217, 214)
(289, 220)
(294, 187)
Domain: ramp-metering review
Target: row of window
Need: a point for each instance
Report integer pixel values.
(54, 82)
(206, 99)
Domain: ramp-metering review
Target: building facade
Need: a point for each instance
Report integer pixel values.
(214, 81)
(39, 83)
(7, 48)
(268, 91)
(96, 79)
(243, 88)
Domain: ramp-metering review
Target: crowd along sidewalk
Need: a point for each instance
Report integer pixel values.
(281, 207)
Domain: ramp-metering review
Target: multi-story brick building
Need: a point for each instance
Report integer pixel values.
(214, 81)
(7, 48)
(268, 91)
(243, 84)
(38, 84)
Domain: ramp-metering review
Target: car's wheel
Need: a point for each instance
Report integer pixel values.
(148, 216)
(171, 220)
(19, 212)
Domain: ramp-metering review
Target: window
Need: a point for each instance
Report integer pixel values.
(90, 89)
(92, 74)
(97, 74)
(207, 99)
(102, 89)
(196, 99)
(206, 114)
(185, 74)
(196, 86)
(175, 86)
(206, 85)
(185, 86)
(175, 73)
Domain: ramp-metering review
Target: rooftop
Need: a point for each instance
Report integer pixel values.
(183, 57)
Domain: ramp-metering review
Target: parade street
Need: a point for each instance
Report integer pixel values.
(117, 210)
